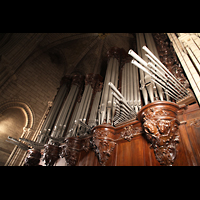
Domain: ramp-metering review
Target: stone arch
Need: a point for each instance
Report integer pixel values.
(17, 120)
(28, 112)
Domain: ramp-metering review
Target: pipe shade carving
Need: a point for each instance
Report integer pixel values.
(33, 158)
(160, 126)
(72, 147)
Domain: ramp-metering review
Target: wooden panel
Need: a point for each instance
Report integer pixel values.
(189, 146)
(137, 152)
(184, 154)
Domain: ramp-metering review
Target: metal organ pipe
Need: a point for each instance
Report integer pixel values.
(82, 107)
(106, 100)
(65, 112)
(94, 111)
(160, 77)
(109, 101)
(105, 92)
(48, 124)
(142, 81)
(88, 104)
(54, 108)
(78, 126)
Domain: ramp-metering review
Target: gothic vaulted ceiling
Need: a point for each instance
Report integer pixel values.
(82, 52)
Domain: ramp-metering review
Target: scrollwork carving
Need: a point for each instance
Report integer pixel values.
(70, 155)
(70, 150)
(51, 154)
(161, 130)
(103, 148)
(77, 80)
(102, 144)
(129, 132)
(33, 158)
(195, 123)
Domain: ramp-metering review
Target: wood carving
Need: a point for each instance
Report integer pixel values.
(129, 132)
(195, 123)
(103, 144)
(33, 158)
(77, 79)
(103, 148)
(51, 154)
(73, 145)
(70, 155)
(161, 129)
(168, 57)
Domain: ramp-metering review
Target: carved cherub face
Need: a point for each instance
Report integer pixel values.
(163, 126)
(150, 127)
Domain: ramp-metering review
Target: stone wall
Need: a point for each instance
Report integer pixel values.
(35, 84)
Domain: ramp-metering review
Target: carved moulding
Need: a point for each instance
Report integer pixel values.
(51, 154)
(129, 132)
(106, 137)
(72, 147)
(103, 145)
(33, 157)
(195, 122)
(160, 126)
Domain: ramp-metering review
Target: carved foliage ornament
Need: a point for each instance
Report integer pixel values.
(103, 146)
(72, 147)
(129, 132)
(162, 132)
(195, 123)
(33, 158)
(51, 154)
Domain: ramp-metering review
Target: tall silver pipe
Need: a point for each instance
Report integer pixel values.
(94, 111)
(124, 78)
(151, 45)
(54, 107)
(71, 96)
(109, 102)
(116, 85)
(68, 132)
(83, 103)
(142, 81)
(64, 110)
(114, 78)
(105, 91)
(132, 84)
(135, 98)
(122, 82)
(71, 107)
(127, 82)
(88, 105)
(48, 124)
(147, 78)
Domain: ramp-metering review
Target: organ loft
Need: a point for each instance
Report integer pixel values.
(99, 99)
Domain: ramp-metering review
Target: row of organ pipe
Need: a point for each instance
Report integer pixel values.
(84, 102)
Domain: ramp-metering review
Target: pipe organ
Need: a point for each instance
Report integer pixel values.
(107, 106)
(139, 97)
